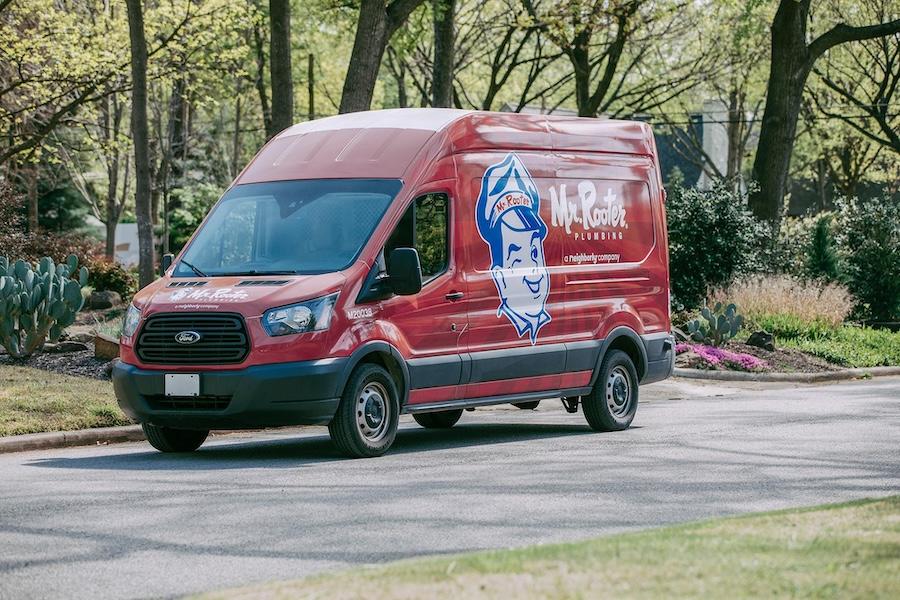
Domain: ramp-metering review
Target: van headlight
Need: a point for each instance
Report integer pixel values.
(312, 315)
(132, 320)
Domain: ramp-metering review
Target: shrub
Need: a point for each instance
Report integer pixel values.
(790, 252)
(784, 296)
(108, 275)
(712, 238)
(869, 240)
(36, 303)
(821, 255)
(32, 246)
(849, 346)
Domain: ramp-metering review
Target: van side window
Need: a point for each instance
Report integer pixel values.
(425, 226)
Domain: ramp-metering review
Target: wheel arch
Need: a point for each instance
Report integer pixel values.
(627, 340)
(385, 355)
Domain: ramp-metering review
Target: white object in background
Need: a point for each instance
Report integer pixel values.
(126, 244)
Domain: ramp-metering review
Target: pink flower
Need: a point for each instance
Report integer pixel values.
(717, 356)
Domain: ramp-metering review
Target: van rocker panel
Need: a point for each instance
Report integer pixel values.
(296, 393)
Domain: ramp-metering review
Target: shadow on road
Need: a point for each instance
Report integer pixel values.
(311, 449)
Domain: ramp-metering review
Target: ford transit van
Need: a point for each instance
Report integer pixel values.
(420, 261)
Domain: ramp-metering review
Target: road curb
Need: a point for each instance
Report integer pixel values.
(63, 439)
(842, 375)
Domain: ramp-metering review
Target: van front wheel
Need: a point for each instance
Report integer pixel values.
(365, 423)
(166, 439)
(612, 403)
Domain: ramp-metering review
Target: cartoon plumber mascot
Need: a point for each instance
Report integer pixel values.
(508, 218)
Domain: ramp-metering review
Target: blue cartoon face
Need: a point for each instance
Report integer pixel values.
(509, 221)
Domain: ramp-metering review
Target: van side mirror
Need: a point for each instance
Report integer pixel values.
(404, 271)
(167, 260)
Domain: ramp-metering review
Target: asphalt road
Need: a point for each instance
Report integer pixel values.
(124, 521)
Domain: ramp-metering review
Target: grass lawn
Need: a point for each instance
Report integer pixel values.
(846, 345)
(33, 401)
(838, 551)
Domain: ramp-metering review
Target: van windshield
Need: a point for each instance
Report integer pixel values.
(288, 227)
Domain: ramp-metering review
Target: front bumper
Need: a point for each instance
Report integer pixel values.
(297, 393)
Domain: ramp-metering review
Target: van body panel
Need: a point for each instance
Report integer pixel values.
(557, 253)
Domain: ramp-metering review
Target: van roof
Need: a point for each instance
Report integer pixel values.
(387, 143)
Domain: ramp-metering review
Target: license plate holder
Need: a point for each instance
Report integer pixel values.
(182, 384)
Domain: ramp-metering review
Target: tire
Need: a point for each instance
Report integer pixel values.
(166, 439)
(612, 403)
(527, 405)
(365, 423)
(444, 419)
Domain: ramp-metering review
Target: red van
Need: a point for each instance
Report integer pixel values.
(419, 261)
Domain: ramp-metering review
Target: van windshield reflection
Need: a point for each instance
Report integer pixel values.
(288, 228)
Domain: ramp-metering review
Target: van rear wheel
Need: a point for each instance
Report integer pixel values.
(365, 423)
(612, 403)
(444, 419)
(166, 439)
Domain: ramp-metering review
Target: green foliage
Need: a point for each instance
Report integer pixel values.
(869, 240)
(193, 202)
(822, 257)
(715, 327)
(845, 345)
(61, 210)
(31, 246)
(786, 326)
(37, 303)
(712, 238)
(110, 276)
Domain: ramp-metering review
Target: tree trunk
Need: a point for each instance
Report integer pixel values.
(444, 43)
(792, 61)
(311, 85)
(112, 209)
(260, 81)
(236, 137)
(376, 24)
(582, 70)
(787, 76)
(365, 59)
(280, 55)
(735, 133)
(140, 135)
(32, 197)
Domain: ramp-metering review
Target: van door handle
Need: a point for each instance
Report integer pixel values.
(454, 296)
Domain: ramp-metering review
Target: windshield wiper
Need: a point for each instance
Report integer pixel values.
(254, 272)
(196, 271)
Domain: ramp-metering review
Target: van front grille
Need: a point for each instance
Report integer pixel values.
(193, 339)
(159, 402)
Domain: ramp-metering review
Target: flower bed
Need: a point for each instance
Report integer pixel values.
(711, 357)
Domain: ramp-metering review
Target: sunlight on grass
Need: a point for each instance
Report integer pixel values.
(33, 401)
(839, 551)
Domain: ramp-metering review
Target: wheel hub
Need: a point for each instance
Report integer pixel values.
(618, 392)
(372, 411)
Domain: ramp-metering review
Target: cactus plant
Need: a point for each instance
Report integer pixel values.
(37, 303)
(715, 327)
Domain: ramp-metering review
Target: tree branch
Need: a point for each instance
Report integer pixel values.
(842, 33)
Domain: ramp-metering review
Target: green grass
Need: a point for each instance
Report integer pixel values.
(838, 551)
(847, 345)
(34, 401)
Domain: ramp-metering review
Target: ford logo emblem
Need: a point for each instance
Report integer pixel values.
(187, 337)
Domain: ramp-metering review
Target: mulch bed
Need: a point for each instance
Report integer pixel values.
(781, 360)
(80, 363)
